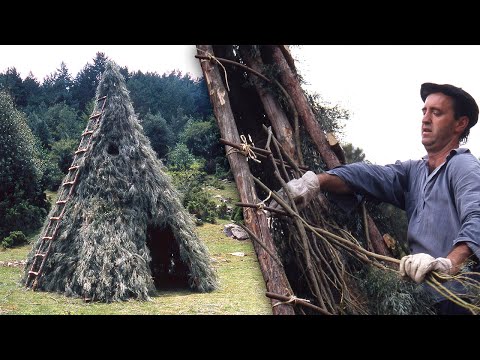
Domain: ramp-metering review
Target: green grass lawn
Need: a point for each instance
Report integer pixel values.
(242, 288)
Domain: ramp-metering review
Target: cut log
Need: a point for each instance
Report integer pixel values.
(336, 147)
(274, 275)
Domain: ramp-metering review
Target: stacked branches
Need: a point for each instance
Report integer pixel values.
(101, 251)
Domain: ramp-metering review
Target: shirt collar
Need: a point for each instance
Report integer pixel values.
(452, 153)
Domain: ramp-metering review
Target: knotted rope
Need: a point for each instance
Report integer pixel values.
(246, 149)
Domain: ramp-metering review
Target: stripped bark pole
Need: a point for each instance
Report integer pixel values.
(274, 275)
(292, 85)
(281, 127)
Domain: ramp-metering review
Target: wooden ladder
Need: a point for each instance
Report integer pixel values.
(64, 194)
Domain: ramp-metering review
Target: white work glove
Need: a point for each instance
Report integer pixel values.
(303, 190)
(417, 266)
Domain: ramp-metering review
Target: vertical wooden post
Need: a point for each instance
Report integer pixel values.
(274, 275)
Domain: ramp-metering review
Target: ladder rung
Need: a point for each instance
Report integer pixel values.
(73, 167)
(102, 98)
(88, 132)
(55, 218)
(95, 115)
(47, 238)
(61, 202)
(41, 254)
(69, 183)
(33, 272)
(81, 150)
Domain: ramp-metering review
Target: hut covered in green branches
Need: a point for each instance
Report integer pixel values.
(123, 232)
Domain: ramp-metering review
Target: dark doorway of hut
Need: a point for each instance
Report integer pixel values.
(168, 269)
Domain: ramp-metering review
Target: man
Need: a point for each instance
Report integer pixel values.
(440, 193)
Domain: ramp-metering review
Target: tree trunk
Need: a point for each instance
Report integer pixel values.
(280, 124)
(292, 85)
(274, 275)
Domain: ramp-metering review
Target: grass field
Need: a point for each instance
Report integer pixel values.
(242, 288)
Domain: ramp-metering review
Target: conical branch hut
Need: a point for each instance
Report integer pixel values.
(122, 230)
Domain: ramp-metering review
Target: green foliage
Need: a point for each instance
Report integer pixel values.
(215, 182)
(180, 158)
(63, 122)
(22, 201)
(388, 294)
(15, 238)
(157, 130)
(190, 183)
(57, 86)
(331, 118)
(20, 214)
(167, 93)
(200, 204)
(353, 154)
(237, 214)
(62, 153)
(392, 220)
(86, 81)
(52, 175)
(201, 138)
(11, 82)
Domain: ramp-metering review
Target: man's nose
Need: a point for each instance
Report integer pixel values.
(426, 117)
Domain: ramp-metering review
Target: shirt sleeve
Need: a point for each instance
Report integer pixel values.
(464, 184)
(385, 183)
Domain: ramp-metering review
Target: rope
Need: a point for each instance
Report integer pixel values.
(211, 57)
(246, 149)
(261, 204)
(292, 299)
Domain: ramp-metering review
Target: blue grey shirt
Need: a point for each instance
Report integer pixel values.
(442, 207)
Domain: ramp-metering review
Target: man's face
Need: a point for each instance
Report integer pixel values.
(439, 127)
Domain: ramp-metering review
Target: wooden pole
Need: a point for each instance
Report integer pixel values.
(274, 275)
(281, 127)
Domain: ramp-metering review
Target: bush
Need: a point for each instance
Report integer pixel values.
(15, 238)
(180, 158)
(194, 198)
(200, 204)
(237, 214)
(24, 216)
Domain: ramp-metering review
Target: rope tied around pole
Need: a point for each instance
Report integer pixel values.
(212, 57)
(261, 204)
(292, 299)
(246, 149)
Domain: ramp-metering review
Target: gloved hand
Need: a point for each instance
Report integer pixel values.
(417, 266)
(303, 190)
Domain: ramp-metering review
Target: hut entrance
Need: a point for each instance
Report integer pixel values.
(168, 270)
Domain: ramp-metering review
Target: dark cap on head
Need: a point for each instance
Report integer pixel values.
(466, 104)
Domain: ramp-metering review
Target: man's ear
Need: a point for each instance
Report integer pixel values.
(462, 124)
